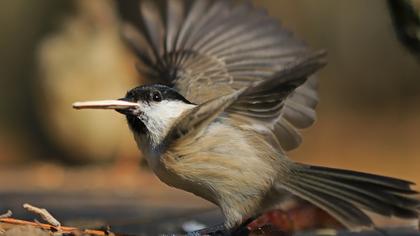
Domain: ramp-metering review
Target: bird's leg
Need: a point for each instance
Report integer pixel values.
(220, 230)
(242, 229)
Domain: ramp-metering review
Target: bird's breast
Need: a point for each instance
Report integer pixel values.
(224, 165)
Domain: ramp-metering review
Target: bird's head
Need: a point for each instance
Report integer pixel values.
(150, 110)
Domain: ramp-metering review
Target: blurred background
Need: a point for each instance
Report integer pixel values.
(84, 164)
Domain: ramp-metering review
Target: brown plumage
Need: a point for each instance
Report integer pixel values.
(234, 89)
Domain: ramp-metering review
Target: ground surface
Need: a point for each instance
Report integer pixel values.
(128, 201)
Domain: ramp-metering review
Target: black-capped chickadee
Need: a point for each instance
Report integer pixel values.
(231, 89)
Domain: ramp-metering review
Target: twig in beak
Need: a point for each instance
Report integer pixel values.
(105, 104)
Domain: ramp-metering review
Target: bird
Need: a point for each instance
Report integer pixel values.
(229, 89)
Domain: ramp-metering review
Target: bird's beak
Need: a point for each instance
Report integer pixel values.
(119, 105)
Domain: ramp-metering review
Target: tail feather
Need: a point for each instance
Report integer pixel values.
(343, 193)
(384, 203)
(397, 184)
(343, 211)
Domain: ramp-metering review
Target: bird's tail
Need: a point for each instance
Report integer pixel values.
(343, 193)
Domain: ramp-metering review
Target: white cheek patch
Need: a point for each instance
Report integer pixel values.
(158, 117)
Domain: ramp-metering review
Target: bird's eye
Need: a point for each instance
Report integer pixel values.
(156, 96)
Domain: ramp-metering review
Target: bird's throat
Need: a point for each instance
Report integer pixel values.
(136, 125)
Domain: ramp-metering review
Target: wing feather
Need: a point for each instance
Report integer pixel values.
(288, 136)
(153, 21)
(299, 115)
(194, 15)
(199, 117)
(212, 48)
(175, 17)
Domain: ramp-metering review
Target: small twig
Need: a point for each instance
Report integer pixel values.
(8, 214)
(9, 223)
(53, 225)
(45, 215)
(3, 216)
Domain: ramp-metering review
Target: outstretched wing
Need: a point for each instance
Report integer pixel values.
(276, 89)
(214, 47)
(277, 106)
